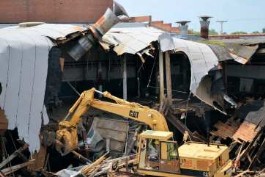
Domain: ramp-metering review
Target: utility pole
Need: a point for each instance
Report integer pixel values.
(221, 23)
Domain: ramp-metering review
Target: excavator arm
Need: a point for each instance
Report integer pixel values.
(67, 133)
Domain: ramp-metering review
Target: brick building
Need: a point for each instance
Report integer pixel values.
(52, 11)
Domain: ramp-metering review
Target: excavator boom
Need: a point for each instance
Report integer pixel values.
(67, 133)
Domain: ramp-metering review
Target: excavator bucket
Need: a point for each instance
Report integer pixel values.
(66, 136)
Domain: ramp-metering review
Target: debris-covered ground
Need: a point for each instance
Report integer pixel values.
(242, 130)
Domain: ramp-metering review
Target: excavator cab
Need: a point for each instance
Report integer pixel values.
(157, 156)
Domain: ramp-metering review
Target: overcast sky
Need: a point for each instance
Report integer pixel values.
(241, 15)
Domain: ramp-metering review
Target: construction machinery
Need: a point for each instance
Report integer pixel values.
(67, 133)
(158, 154)
(190, 159)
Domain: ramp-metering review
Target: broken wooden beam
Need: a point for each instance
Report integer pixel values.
(14, 168)
(168, 78)
(161, 77)
(12, 156)
(88, 168)
(3, 122)
(81, 157)
(257, 154)
(183, 128)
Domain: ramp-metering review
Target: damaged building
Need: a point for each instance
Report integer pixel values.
(208, 90)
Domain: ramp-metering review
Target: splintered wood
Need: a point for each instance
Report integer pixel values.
(91, 168)
(246, 132)
(227, 129)
(3, 122)
(14, 168)
(104, 165)
(247, 137)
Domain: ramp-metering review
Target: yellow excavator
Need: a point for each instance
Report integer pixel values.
(158, 154)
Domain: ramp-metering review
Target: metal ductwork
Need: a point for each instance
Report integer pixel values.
(95, 33)
(183, 28)
(205, 26)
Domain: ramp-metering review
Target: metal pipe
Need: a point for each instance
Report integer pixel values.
(205, 26)
(99, 92)
(183, 28)
(95, 32)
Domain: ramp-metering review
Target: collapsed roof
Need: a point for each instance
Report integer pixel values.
(23, 71)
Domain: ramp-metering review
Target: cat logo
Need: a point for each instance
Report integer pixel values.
(133, 114)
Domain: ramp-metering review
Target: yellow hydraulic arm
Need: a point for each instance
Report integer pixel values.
(67, 133)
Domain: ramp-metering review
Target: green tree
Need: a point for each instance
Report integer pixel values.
(239, 32)
(194, 32)
(263, 30)
(255, 32)
(213, 32)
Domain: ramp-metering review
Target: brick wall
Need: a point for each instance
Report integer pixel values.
(53, 11)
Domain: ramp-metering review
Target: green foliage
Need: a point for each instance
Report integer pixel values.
(197, 33)
(239, 32)
(213, 42)
(213, 32)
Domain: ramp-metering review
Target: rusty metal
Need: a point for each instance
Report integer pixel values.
(205, 26)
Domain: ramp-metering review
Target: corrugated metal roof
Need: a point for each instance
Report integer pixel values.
(130, 39)
(221, 52)
(23, 71)
(53, 31)
(241, 50)
(246, 41)
(6, 25)
(202, 60)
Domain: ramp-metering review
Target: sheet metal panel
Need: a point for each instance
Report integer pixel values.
(23, 71)
(26, 85)
(202, 60)
(240, 50)
(38, 88)
(13, 82)
(115, 130)
(134, 39)
(4, 55)
(130, 39)
(54, 31)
